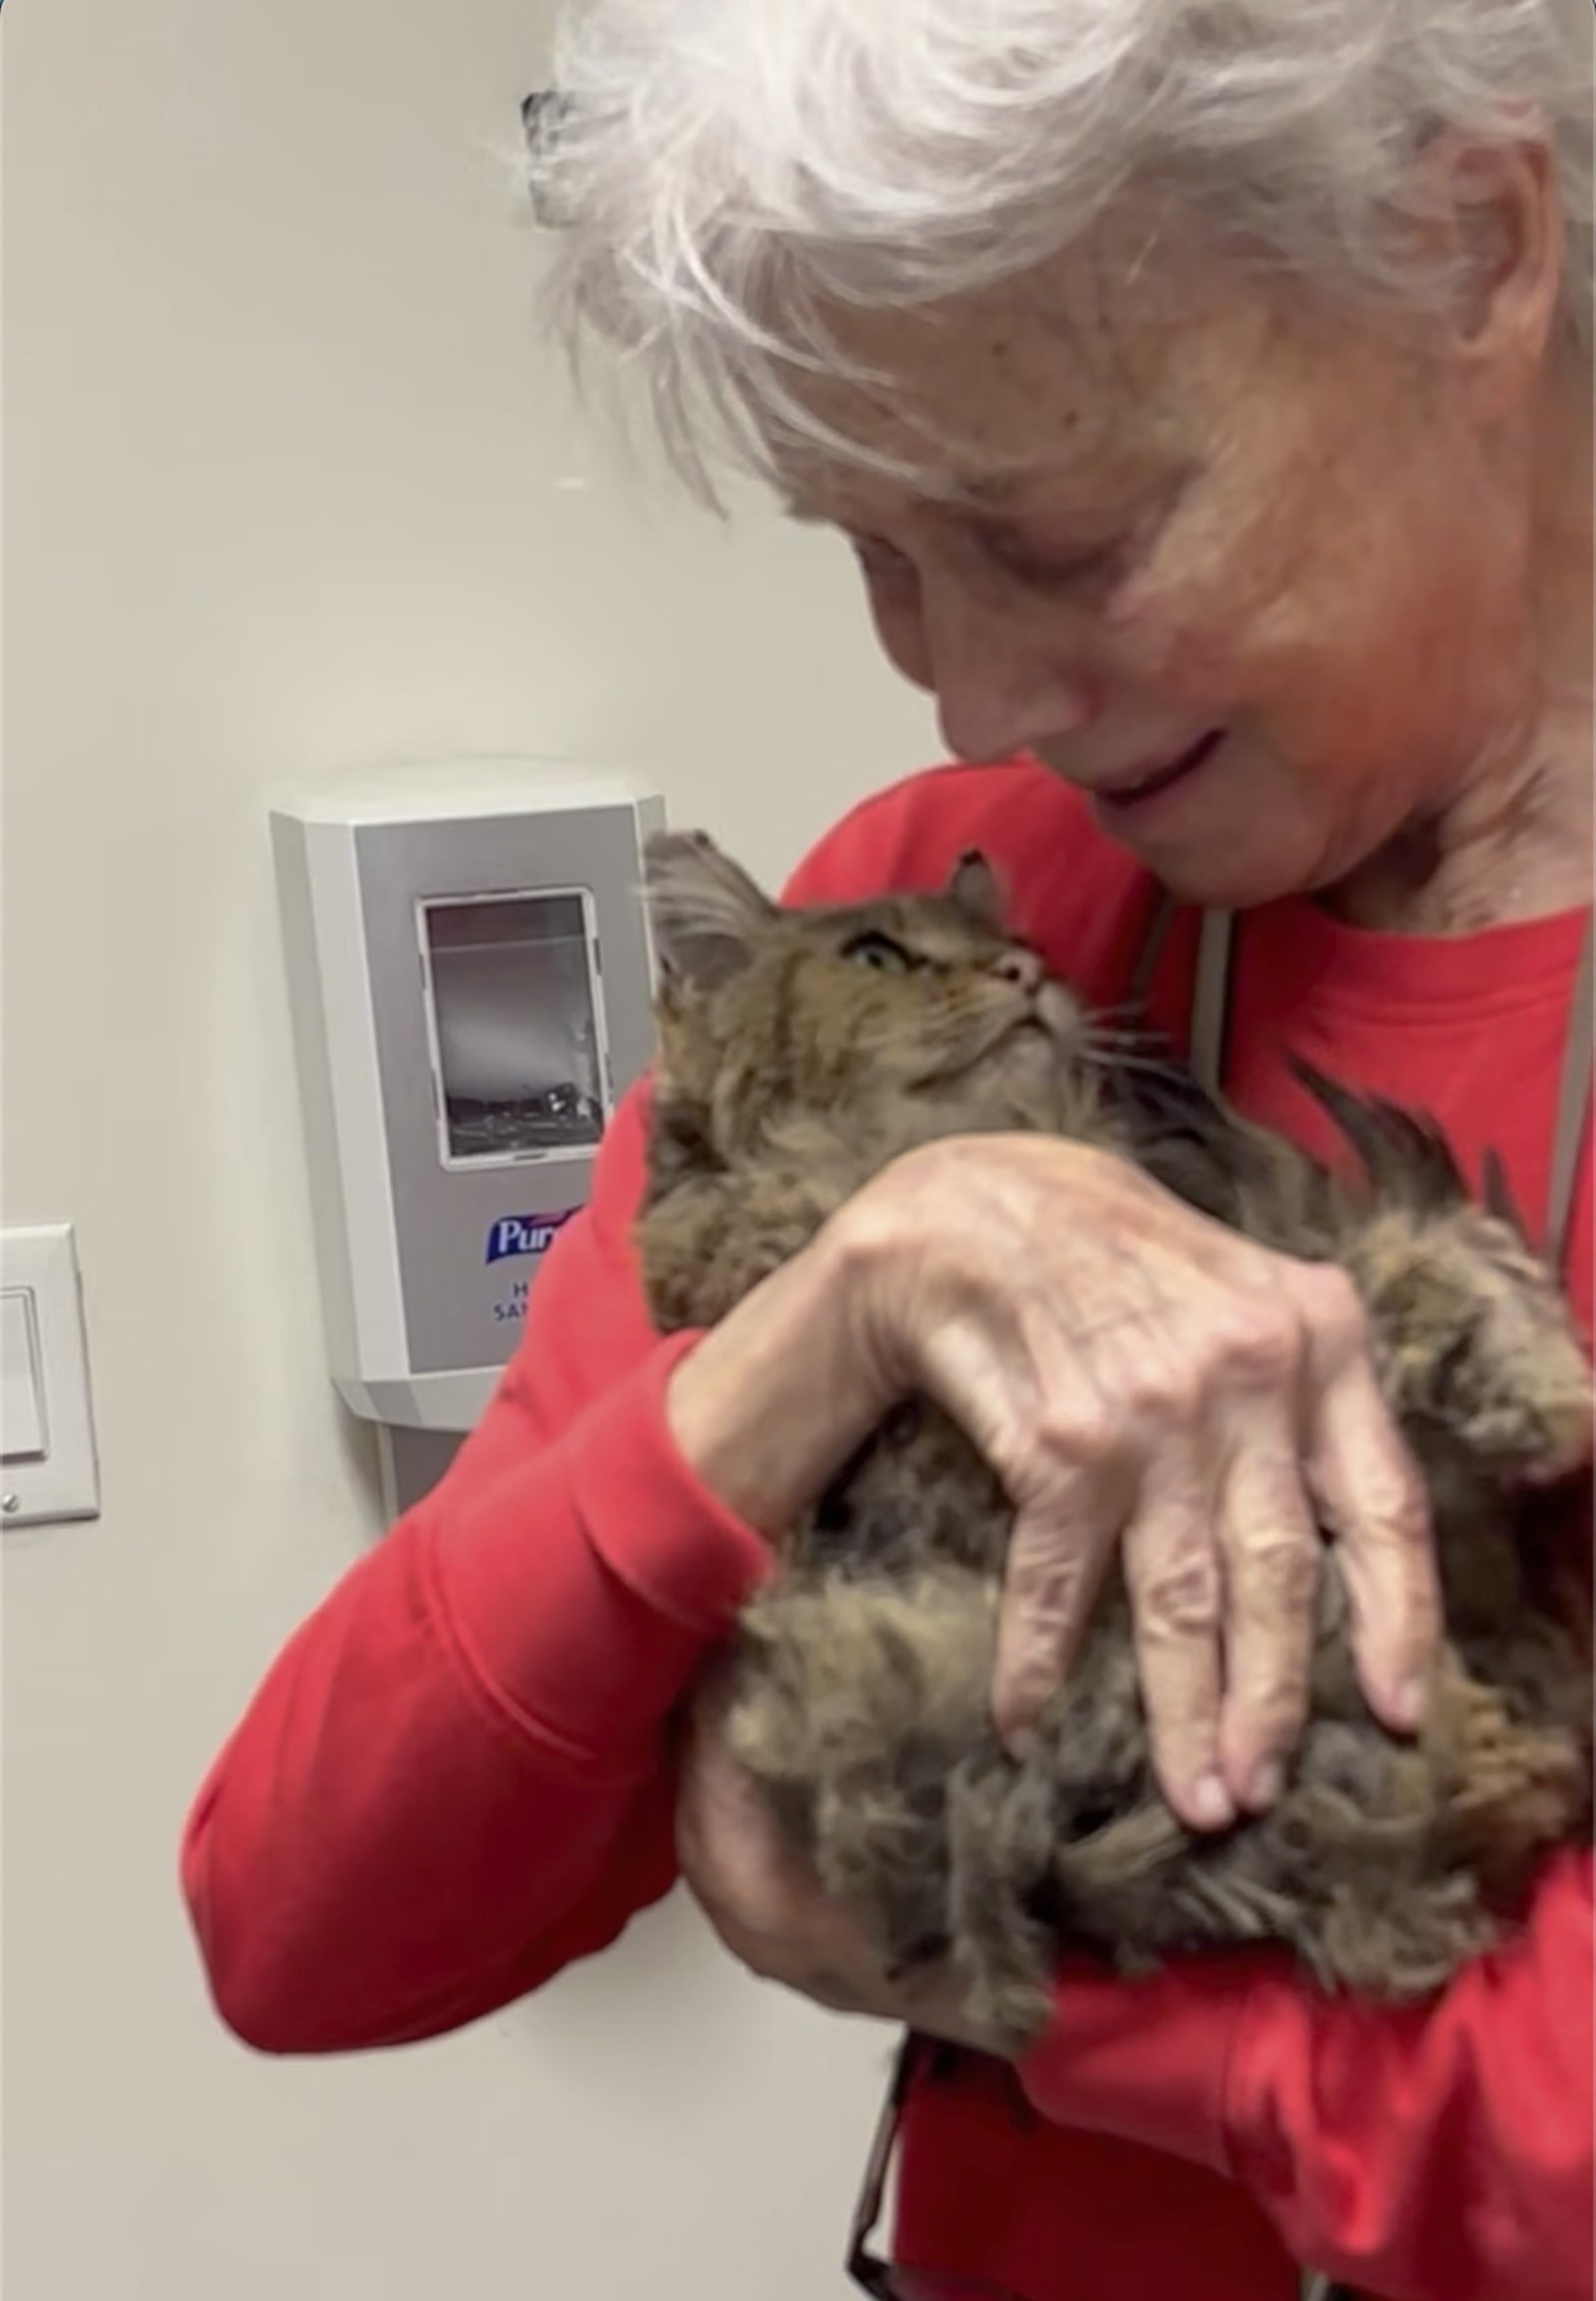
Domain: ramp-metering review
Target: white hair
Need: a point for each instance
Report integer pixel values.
(720, 171)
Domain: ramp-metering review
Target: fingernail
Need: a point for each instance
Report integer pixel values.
(1268, 1786)
(1413, 1698)
(1211, 1805)
(1017, 1729)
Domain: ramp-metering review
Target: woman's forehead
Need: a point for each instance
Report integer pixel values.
(1055, 379)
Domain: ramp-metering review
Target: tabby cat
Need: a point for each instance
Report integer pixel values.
(800, 1053)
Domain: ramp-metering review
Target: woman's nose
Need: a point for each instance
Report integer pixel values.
(997, 692)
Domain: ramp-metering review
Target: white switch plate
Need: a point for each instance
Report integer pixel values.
(49, 1471)
(22, 1431)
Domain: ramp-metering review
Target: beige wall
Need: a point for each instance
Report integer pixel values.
(285, 494)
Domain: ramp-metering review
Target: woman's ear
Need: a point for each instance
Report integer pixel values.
(1496, 211)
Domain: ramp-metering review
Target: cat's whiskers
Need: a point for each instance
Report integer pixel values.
(1128, 1046)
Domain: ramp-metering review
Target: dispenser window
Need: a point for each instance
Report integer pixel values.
(517, 1025)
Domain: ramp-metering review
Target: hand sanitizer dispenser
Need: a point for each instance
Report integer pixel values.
(471, 988)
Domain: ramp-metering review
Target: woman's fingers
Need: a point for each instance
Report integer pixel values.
(1372, 1501)
(1176, 1590)
(1135, 1373)
(1369, 1498)
(758, 1891)
(769, 1909)
(1270, 1559)
(1056, 1560)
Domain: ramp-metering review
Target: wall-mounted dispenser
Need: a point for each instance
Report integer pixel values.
(470, 979)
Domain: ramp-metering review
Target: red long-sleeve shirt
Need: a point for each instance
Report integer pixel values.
(456, 1779)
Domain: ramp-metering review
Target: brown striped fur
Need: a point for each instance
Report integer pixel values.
(800, 1053)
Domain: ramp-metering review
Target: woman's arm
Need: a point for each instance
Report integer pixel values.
(455, 1778)
(1441, 2153)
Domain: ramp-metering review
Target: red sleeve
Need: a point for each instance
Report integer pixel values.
(454, 1779)
(1440, 2154)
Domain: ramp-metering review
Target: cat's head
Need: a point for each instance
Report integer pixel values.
(920, 1001)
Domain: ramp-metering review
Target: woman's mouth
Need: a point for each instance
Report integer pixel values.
(1115, 806)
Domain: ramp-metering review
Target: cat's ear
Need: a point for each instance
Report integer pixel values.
(706, 912)
(980, 893)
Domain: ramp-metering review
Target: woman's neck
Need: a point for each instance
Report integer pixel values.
(1519, 848)
(1518, 841)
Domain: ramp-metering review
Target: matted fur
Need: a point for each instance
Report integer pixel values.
(801, 1051)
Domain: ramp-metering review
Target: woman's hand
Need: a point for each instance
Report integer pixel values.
(771, 1912)
(1141, 1379)
(1144, 1379)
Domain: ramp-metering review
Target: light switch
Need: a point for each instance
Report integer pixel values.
(21, 1415)
(49, 1471)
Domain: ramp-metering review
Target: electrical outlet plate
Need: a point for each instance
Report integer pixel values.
(48, 1465)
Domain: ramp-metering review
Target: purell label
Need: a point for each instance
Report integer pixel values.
(515, 1234)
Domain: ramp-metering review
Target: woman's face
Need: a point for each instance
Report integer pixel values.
(1251, 573)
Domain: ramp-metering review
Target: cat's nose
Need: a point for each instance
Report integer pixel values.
(1023, 968)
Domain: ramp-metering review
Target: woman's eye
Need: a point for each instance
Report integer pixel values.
(1053, 572)
(879, 951)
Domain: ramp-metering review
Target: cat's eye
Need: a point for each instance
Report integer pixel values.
(880, 952)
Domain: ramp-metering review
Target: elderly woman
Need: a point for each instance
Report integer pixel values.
(1204, 390)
